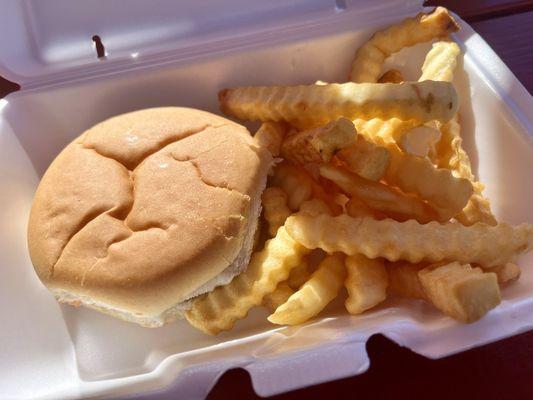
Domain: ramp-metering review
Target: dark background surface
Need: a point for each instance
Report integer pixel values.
(501, 370)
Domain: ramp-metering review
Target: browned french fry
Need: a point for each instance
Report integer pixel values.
(370, 57)
(481, 244)
(379, 196)
(365, 158)
(270, 135)
(366, 283)
(319, 144)
(275, 208)
(463, 292)
(319, 104)
(391, 76)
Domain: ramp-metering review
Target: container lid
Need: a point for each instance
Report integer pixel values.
(42, 42)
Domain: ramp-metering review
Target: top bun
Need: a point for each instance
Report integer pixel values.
(145, 209)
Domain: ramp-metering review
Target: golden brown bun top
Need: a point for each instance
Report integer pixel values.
(145, 207)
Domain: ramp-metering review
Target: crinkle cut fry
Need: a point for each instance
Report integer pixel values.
(278, 297)
(449, 194)
(275, 209)
(418, 175)
(379, 196)
(370, 57)
(314, 295)
(319, 104)
(439, 64)
(270, 135)
(300, 187)
(482, 244)
(365, 158)
(319, 144)
(219, 309)
(452, 155)
(366, 283)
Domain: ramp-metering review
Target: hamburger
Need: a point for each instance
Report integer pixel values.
(146, 210)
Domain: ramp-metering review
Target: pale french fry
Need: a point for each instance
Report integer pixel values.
(383, 132)
(270, 135)
(315, 207)
(300, 186)
(452, 155)
(419, 176)
(378, 196)
(319, 104)
(365, 158)
(278, 297)
(439, 65)
(366, 283)
(460, 291)
(506, 272)
(477, 210)
(370, 57)
(482, 244)
(299, 275)
(294, 182)
(355, 207)
(391, 76)
(420, 141)
(314, 295)
(319, 144)
(440, 62)
(219, 309)
(275, 209)
(403, 279)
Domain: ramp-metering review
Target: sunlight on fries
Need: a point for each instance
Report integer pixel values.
(376, 176)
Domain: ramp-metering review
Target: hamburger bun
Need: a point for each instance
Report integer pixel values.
(147, 210)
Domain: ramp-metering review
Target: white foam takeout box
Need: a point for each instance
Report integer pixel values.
(182, 53)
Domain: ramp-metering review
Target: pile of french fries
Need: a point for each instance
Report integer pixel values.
(373, 174)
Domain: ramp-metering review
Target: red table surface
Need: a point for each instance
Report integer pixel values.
(500, 370)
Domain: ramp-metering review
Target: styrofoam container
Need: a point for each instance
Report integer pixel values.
(182, 53)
